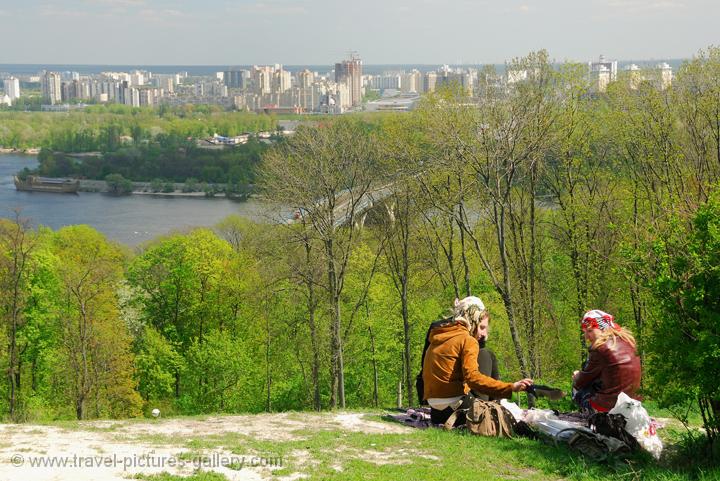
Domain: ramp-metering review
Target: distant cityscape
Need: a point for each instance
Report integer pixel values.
(274, 89)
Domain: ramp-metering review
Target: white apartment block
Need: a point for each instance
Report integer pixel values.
(12, 88)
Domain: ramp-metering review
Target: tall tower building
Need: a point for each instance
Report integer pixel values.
(12, 88)
(604, 64)
(430, 82)
(305, 78)
(349, 72)
(282, 80)
(233, 79)
(665, 75)
(51, 87)
(262, 79)
(600, 78)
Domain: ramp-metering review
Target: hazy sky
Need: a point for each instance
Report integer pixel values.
(220, 32)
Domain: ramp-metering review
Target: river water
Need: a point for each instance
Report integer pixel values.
(128, 219)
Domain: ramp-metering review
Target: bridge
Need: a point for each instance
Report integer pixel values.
(371, 204)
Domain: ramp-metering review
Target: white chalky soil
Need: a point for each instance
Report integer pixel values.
(118, 450)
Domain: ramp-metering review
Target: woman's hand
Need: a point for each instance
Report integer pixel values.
(522, 385)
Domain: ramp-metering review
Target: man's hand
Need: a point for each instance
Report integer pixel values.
(575, 373)
(522, 385)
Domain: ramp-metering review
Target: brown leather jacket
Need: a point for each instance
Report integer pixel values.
(450, 367)
(617, 366)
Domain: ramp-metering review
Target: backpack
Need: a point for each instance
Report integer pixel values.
(486, 418)
(612, 425)
(419, 382)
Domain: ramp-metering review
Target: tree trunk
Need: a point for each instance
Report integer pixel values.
(374, 365)
(463, 247)
(316, 361)
(534, 355)
(506, 292)
(406, 341)
(268, 374)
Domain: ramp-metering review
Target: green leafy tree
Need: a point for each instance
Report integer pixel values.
(117, 184)
(98, 363)
(684, 349)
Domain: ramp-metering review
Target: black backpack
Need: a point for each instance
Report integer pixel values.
(419, 383)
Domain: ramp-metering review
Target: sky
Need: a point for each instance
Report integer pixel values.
(318, 32)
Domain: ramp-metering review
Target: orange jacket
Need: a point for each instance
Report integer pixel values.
(450, 367)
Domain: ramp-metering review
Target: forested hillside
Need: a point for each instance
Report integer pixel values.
(545, 199)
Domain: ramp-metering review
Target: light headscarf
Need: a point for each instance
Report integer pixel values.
(469, 311)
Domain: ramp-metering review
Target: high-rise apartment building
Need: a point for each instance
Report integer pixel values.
(305, 78)
(430, 82)
(262, 79)
(234, 79)
(665, 75)
(12, 88)
(349, 72)
(604, 64)
(283, 80)
(600, 78)
(633, 76)
(51, 87)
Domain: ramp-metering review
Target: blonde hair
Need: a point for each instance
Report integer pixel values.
(470, 317)
(611, 334)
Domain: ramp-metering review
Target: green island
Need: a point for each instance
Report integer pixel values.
(160, 147)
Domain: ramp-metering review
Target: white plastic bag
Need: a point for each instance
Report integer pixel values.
(639, 424)
(513, 408)
(534, 416)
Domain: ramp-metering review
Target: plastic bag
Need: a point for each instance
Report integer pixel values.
(639, 424)
(535, 416)
(513, 408)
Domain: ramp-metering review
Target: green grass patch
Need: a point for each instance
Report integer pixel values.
(438, 455)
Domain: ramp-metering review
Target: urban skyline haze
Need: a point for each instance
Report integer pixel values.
(218, 32)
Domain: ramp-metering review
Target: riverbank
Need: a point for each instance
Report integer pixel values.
(28, 151)
(146, 188)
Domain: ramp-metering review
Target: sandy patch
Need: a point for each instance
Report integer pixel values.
(117, 450)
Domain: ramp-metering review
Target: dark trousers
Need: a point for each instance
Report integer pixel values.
(438, 416)
(582, 396)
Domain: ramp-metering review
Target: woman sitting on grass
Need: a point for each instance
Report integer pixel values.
(612, 367)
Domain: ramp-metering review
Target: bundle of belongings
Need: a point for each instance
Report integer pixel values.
(619, 432)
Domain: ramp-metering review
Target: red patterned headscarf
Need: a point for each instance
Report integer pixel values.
(597, 319)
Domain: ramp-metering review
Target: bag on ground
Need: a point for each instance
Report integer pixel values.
(639, 424)
(489, 418)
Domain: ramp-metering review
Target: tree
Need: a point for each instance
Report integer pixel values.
(684, 349)
(95, 345)
(324, 173)
(16, 247)
(502, 140)
(402, 149)
(117, 184)
(187, 286)
(578, 179)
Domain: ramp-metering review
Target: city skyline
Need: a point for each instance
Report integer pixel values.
(316, 32)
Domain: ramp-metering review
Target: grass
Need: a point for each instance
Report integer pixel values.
(438, 455)
(322, 451)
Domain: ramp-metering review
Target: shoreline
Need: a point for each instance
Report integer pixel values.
(28, 151)
(139, 188)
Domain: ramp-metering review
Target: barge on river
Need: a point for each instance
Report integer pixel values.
(47, 184)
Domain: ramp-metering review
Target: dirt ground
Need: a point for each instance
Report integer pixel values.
(119, 450)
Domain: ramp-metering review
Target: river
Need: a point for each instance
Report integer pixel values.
(128, 219)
